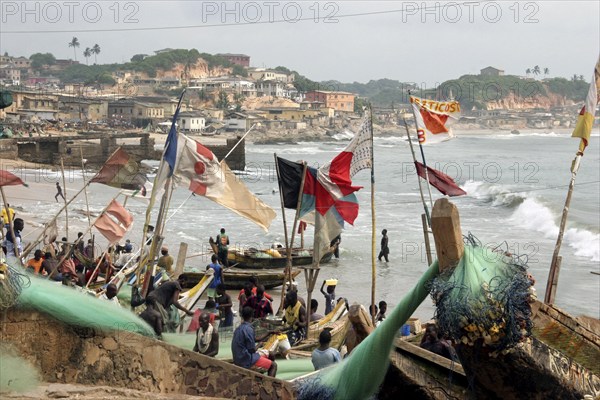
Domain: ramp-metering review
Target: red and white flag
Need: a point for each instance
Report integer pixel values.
(206, 176)
(434, 118)
(114, 222)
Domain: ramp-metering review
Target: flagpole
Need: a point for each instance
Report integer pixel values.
(423, 158)
(412, 150)
(87, 204)
(552, 283)
(373, 220)
(62, 168)
(288, 250)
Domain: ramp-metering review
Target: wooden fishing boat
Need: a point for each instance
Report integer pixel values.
(252, 258)
(236, 278)
(561, 361)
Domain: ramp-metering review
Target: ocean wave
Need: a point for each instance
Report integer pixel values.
(498, 195)
(533, 215)
(345, 135)
(286, 148)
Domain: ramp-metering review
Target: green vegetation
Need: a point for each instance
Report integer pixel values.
(222, 101)
(38, 60)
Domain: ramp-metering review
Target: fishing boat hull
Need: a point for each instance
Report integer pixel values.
(269, 259)
(561, 361)
(236, 278)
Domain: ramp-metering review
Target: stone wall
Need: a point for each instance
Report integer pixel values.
(8, 149)
(67, 354)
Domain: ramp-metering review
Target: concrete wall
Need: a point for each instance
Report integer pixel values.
(67, 354)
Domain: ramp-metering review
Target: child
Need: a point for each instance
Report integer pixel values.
(329, 297)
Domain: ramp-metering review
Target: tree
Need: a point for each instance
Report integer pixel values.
(87, 53)
(74, 43)
(527, 72)
(223, 101)
(575, 78)
(138, 58)
(546, 71)
(96, 51)
(581, 78)
(536, 70)
(38, 60)
(203, 95)
(238, 99)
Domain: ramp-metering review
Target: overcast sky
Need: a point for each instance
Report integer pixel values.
(359, 41)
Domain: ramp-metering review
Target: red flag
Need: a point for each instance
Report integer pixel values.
(122, 172)
(440, 181)
(9, 179)
(114, 222)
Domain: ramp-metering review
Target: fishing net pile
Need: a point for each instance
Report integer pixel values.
(76, 308)
(484, 299)
(360, 375)
(12, 283)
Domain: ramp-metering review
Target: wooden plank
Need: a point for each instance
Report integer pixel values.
(429, 356)
(445, 224)
(180, 260)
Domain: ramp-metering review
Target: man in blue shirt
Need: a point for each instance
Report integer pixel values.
(324, 356)
(243, 347)
(217, 276)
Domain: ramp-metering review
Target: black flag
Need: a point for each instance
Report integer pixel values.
(290, 179)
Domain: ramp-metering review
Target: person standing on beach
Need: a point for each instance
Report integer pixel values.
(59, 192)
(223, 247)
(385, 251)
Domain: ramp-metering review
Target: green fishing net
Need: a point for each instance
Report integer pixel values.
(484, 298)
(74, 307)
(360, 375)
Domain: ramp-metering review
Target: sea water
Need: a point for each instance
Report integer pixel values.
(516, 187)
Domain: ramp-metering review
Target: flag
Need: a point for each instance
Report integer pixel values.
(122, 172)
(440, 181)
(336, 176)
(169, 157)
(10, 179)
(585, 121)
(114, 222)
(290, 179)
(206, 176)
(433, 119)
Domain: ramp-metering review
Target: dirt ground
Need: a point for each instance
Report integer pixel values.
(68, 391)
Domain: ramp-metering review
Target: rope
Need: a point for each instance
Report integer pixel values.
(12, 283)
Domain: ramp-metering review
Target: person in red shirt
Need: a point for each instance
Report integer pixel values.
(263, 307)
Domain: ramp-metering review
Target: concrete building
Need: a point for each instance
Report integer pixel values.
(270, 75)
(239, 59)
(10, 74)
(491, 71)
(339, 101)
(191, 121)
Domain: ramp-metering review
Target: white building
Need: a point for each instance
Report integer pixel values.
(191, 121)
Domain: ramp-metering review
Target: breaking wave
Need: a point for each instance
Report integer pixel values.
(530, 213)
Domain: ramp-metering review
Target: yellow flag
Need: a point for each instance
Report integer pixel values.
(585, 121)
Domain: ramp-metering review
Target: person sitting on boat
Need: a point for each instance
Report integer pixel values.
(243, 347)
(125, 257)
(223, 247)
(217, 276)
(50, 264)
(35, 264)
(152, 316)
(110, 294)
(248, 297)
(329, 297)
(88, 251)
(433, 343)
(254, 282)
(207, 337)
(167, 295)
(325, 355)
(294, 318)
(263, 307)
(9, 244)
(165, 262)
(224, 305)
(314, 304)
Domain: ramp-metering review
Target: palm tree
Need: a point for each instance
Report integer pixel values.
(581, 78)
(74, 43)
(536, 70)
(87, 53)
(546, 71)
(575, 77)
(528, 71)
(96, 51)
